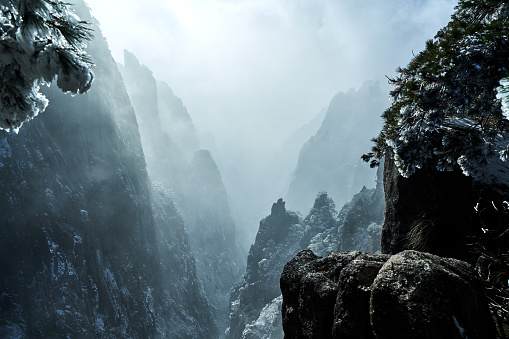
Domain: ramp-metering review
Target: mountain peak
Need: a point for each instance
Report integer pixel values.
(278, 208)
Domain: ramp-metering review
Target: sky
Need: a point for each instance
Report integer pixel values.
(252, 71)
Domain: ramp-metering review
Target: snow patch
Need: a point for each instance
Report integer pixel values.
(460, 329)
(263, 264)
(503, 96)
(266, 326)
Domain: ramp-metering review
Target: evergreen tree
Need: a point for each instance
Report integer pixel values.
(448, 110)
(445, 107)
(41, 40)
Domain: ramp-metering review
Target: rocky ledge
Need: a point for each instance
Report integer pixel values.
(358, 295)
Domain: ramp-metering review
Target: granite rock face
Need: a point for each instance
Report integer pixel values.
(443, 212)
(330, 160)
(429, 297)
(88, 246)
(409, 295)
(175, 161)
(277, 241)
(280, 237)
(351, 311)
(430, 211)
(310, 285)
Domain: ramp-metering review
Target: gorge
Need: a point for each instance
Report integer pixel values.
(126, 211)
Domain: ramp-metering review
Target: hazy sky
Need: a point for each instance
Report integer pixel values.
(253, 71)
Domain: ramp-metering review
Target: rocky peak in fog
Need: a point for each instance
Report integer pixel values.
(331, 160)
(173, 159)
(255, 301)
(175, 120)
(88, 246)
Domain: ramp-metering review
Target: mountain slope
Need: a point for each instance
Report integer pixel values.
(173, 160)
(255, 302)
(331, 160)
(87, 249)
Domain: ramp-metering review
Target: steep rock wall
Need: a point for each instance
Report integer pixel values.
(431, 211)
(330, 160)
(86, 248)
(173, 160)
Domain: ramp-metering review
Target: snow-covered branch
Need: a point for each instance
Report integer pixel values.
(40, 41)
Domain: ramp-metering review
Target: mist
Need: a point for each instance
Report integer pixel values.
(251, 72)
(218, 140)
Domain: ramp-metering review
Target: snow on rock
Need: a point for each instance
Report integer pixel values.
(254, 300)
(268, 325)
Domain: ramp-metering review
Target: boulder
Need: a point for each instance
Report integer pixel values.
(420, 295)
(351, 312)
(309, 286)
(408, 295)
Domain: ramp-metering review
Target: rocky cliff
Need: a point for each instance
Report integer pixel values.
(255, 299)
(174, 160)
(330, 160)
(430, 211)
(359, 224)
(88, 247)
(452, 215)
(446, 213)
(406, 293)
(277, 241)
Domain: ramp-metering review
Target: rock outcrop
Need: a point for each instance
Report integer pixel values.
(430, 211)
(277, 241)
(429, 297)
(445, 212)
(280, 237)
(309, 285)
(351, 310)
(408, 295)
(359, 222)
(174, 160)
(330, 160)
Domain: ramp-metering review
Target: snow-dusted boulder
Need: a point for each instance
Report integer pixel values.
(409, 295)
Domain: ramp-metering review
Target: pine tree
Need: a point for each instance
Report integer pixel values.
(445, 107)
(447, 111)
(41, 40)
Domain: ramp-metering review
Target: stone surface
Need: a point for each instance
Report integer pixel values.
(420, 295)
(430, 211)
(309, 287)
(351, 312)
(170, 145)
(409, 295)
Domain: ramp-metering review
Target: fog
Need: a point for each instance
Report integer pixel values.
(119, 222)
(252, 71)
